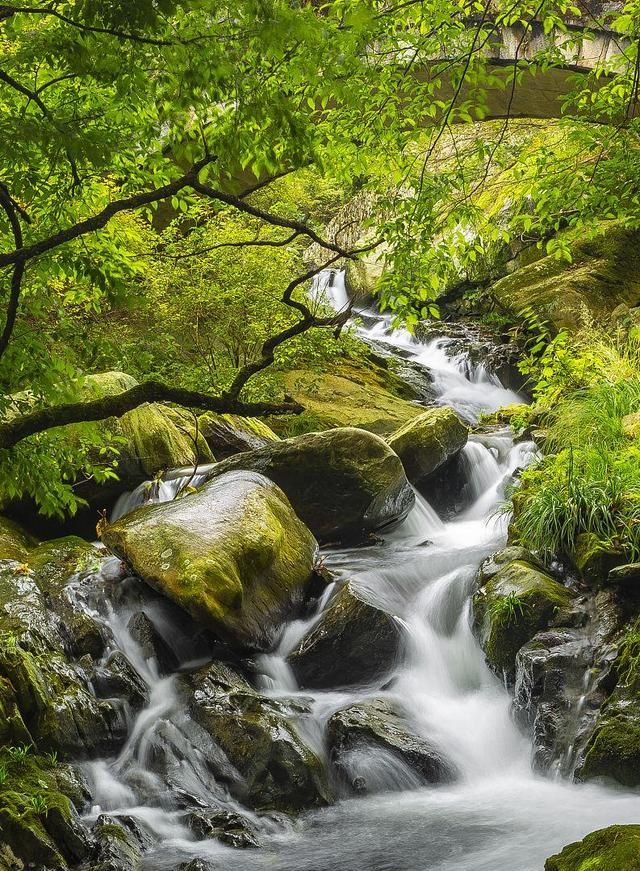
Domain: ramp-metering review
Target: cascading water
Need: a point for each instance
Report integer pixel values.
(497, 815)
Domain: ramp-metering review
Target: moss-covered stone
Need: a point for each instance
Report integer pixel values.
(427, 442)
(513, 605)
(369, 396)
(604, 272)
(613, 750)
(233, 555)
(614, 849)
(152, 437)
(228, 434)
(594, 558)
(353, 643)
(280, 770)
(15, 543)
(343, 483)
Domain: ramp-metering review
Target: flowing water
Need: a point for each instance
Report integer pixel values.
(498, 815)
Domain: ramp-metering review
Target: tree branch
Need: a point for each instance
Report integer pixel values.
(11, 210)
(13, 431)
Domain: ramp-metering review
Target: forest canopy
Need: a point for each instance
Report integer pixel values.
(159, 158)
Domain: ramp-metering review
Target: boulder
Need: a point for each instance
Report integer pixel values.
(229, 434)
(233, 555)
(281, 772)
(151, 438)
(15, 543)
(120, 844)
(426, 443)
(603, 274)
(511, 607)
(614, 849)
(376, 725)
(595, 558)
(53, 695)
(627, 576)
(343, 483)
(353, 643)
(228, 827)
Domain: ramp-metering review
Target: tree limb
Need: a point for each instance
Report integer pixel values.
(13, 431)
(10, 209)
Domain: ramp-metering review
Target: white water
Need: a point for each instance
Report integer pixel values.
(498, 815)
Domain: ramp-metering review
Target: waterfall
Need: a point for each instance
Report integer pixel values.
(498, 815)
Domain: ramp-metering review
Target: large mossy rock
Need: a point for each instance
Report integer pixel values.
(54, 700)
(376, 725)
(614, 849)
(370, 397)
(613, 750)
(426, 443)
(515, 603)
(15, 543)
(343, 483)
(233, 555)
(155, 436)
(280, 771)
(604, 273)
(353, 643)
(229, 434)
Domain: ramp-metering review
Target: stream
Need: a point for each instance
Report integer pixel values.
(497, 816)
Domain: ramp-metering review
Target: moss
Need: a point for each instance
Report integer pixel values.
(515, 603)
(427, 442)
(614, 849)
(54, 562)
(15, 543)
(366, 396)
(595, 558)
(603, 273)
(234, 555)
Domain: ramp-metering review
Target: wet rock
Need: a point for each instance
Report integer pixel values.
(198, 865)
(494, 563)
(353, 643)
(377, 725)
(614, 849)
(343, 483)
(228, 827)
(426, 443)
(281, 772)
(118, 679)
(53, 564)
(549, 698)
(594, 558)
(152, 644)
(625, 575)
(613, 750)
(53, 695)
(120, 844)
(511, 607)
(8, 859)
(229, 434)
(15, 543)
(233, 555)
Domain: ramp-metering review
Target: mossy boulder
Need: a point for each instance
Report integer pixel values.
(367, 395)
(604, 272)
(614, 849)
(53, 695)
(37, 820)
(595, 558)
(233, 555)
(613, 750)
(377, 725)
(228, 434)
(511, 607)
(151, 438)
(280, 771)
(15, 542)
(426, 443)
(353, 643)
(343, 483)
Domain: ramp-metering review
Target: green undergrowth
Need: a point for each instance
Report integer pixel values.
(588, 481)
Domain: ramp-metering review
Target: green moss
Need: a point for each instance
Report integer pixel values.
(594, 558)
(515, 603)
(427, 442)
(15, 543)
(614, 849)
(54, 562)
(365, 396)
